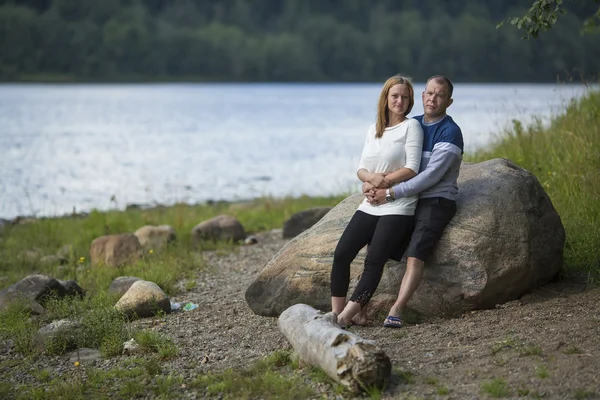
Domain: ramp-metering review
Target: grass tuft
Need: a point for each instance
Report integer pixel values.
(496, 388)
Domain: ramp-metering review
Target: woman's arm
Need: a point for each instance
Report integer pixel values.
(372, 178)
(368, 178)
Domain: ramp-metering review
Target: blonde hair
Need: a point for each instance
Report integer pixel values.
(383, 116)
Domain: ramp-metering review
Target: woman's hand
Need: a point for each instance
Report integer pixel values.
(376, 197)
(377, 180)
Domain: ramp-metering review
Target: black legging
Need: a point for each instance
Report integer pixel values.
(384, 235)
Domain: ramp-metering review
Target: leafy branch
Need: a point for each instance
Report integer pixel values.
(542, 15)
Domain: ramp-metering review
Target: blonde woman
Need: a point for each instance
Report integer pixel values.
(391, 154)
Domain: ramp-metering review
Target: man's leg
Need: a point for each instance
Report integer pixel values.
(410, 283)
(432, 217)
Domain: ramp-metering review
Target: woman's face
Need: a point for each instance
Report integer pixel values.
(398, 99)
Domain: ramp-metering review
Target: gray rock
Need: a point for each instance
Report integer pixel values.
(84, 355)
(143, 299)
(505, 240)
(131, 346)
(303, 220)
(221, 227)
(121, 285)
(115, 250)
(155, 237)
(33, 289)
(72, 288)
(58, 336)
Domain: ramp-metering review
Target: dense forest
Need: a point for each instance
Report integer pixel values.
(288, 40)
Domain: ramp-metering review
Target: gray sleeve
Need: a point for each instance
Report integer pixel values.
(441, 160)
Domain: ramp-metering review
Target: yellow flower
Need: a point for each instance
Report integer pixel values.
(76, 363)
(151, 251)
(81, 260)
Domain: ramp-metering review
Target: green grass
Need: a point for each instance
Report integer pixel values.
(565, 159)
(496, 388)
(154, 342)
(542, 372)
(146, 377)
(46, 236)
(270, 378)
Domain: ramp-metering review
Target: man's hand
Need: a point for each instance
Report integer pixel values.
(378, 197)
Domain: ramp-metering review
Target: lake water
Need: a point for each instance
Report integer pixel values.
(66, 147)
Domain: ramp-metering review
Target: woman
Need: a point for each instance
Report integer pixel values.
(391, 154)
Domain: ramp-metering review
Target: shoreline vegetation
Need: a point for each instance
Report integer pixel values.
(67, 79)
(287, 40)
(562, 155)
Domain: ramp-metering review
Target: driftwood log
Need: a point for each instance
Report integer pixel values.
(354, 362)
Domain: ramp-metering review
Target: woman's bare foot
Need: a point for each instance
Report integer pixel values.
(360, 319)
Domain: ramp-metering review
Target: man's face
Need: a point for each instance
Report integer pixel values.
(435, 100)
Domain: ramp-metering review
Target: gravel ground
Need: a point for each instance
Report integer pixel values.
(544, 345)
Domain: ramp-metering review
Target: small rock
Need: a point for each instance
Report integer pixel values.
(131, 346)
(155, 237)
(221, 227)
(115, 250)
(303, 220)
(58, 336)
(121, 285)
(143, 299)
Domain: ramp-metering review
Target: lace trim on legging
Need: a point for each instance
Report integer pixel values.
(363, 298)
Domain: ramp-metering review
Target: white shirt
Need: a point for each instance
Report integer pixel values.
(400, 146)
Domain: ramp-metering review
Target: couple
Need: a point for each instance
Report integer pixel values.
(401, 209)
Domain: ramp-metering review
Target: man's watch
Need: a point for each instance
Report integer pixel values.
(389, 197)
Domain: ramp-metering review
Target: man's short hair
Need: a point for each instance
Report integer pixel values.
(441, 79)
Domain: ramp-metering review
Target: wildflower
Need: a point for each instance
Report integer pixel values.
(151, 251)
(81, 260)
(76, 363)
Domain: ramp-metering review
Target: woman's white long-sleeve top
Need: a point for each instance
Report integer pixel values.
(400, 146)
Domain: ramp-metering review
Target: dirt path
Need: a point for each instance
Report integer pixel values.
(546, 344)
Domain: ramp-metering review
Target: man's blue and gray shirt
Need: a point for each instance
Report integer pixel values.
(440, 162)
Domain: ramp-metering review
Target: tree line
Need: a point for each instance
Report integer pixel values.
(287, 40)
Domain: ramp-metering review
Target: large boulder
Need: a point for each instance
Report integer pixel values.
(143, 299)
(505, 240)
(221, 227)
(155, 237)
(303, 220)
(115, 250)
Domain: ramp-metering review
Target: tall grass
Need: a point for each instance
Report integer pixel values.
(565, 157)
(46, 236)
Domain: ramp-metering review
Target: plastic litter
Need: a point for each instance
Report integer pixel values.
(175, 306)
(190, 307)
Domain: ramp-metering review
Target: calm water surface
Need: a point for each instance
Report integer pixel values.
(65, 147)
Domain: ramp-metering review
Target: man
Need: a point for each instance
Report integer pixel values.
(436, 185)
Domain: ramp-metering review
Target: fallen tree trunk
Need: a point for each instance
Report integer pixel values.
(350, 360)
